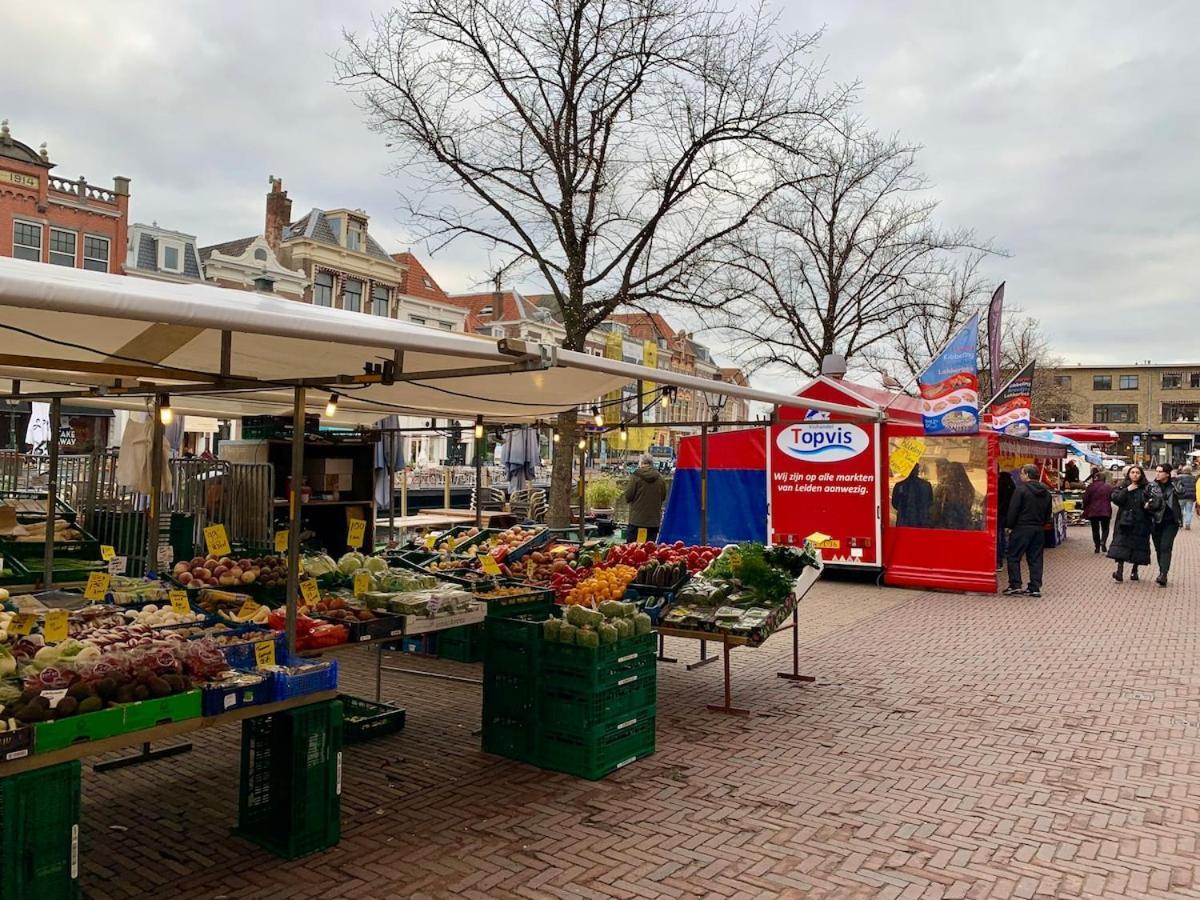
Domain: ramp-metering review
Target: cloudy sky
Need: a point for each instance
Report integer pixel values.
(1065, 132)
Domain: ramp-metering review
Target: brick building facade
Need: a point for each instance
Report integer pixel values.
(45, 218)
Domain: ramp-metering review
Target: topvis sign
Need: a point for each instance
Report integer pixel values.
(823, 443)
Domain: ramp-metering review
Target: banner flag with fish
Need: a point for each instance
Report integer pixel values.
(950, 385)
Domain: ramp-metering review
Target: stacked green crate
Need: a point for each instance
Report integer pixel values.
(512, 651)
(291, 785)
(462, 644)
(39, 821)
(597, 706)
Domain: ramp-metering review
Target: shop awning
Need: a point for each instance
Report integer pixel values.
(70, 327)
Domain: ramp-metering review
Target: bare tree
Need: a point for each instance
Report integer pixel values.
(840, 261)
(603, 145)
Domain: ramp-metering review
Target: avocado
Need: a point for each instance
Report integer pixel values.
(158, 687)
(106, 688)
(124, 694)
(67, 706)
(32, 712)
(175, 683)
(90, 705)
(141, 692)
(80, 690)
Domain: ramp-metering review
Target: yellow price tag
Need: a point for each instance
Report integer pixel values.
(97, 586)
(529, 567)
(643, 535)
(310, 591)
(430, 541)
(451, 543)
(217, 540)
(356, 532)
(179, 602)
(362, 583)
(490, 566)
(54, 627)
(264, 654)
(107, 552)
(23, 623)
(249, 608)
(281, 541)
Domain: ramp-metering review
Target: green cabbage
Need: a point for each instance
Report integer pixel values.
(350, 563)
(376, 565)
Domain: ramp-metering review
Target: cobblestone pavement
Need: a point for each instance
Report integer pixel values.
(953, 746)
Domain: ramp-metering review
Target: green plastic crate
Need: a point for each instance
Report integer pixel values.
(289, 799)
(512, 646)
(39, 819)
(77, 729)
(160, 711)
(588, 669)
(510, 738)
(592, 713)
(366, 719)
(462, 644)
(595, 757)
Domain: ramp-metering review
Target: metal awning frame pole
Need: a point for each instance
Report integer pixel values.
(704, 485)
(295, 507)
(157, 433)
(51, 493)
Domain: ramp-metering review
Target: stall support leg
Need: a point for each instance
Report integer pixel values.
(661, 655)
(795, 675)
(727, 706)
(705, 659)
(378, 671)
(147, 755)
(295, 507)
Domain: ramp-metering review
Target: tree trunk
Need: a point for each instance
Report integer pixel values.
(562, 475)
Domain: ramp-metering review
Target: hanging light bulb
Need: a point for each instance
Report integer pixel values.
(583, 443)
(478, 427)
(597, 417)
(624, 433)
(331, 406)
(665, 399)
(166, 415)
(556, 437)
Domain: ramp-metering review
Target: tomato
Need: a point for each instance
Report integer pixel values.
(678, 545)
(649, 546)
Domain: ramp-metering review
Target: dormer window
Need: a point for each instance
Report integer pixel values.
(354, 237)
(486, 311)
(170, 256)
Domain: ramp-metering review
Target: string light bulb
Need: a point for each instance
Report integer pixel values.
(583, 443)
(166, 415)
(478, 428)
(331, 406)
(624, 433)
(555, 437)
(665, 399)
(597, 417)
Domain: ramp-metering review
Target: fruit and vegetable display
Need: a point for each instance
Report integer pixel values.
(210, 571)
(611, 623)
(602, 585)
(695, 558)
(501, 544)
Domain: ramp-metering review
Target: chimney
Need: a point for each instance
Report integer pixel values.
(834, 366)
(279, 214)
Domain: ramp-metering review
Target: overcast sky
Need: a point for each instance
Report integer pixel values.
(1065, 132)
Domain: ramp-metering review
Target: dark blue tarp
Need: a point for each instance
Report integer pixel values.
(737, 507)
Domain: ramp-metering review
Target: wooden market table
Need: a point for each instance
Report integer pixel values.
(459, 516)
(157, 733)
(729, 642)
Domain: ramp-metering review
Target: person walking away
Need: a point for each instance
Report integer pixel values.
(1005, 486)
(1167, 517)
(1071, 472)
(1131, 539)
(1097, 508)
(646, 493)
(1185, 484)
(912, 498)
(1029, 513)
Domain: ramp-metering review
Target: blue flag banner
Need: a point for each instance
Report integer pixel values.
(1012, 405)
(950, 386)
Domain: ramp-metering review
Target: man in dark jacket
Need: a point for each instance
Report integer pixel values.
(1028, 515)
(645, 494)
(1185, 483)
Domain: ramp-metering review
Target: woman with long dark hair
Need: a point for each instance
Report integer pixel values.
(1097, 508)
(1131, 542)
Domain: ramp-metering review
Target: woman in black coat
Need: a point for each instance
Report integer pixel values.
(1135, 520)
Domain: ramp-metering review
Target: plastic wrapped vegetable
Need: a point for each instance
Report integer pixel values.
(641, 623)
(566, 633)
(612, 609)
(550, 629)
(624, 628)
(607, 632)
(587, 637)
(580, 616)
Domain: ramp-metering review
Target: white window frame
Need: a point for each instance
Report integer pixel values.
(418, 320)
(108, 251)
(362, 286)
(162, 256)
(51, 252)
(371, 306)
(41, 230)
(332, 289)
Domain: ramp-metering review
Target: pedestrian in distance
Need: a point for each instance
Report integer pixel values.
(1005, 487)
(1168, 514)
(1135, 521)
(1029, 513)
(646, 493)
(1071, 472)
(912, 499)
(1185, 483)
(1097, 508)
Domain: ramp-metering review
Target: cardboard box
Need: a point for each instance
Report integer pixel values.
(326, 476)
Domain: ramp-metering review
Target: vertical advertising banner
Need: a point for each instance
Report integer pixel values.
(950, 386)
(1013, 405)
(824, 479)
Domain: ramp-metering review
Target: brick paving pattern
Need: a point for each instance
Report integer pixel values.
(952, 747)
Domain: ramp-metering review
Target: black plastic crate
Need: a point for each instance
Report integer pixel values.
(366, 719)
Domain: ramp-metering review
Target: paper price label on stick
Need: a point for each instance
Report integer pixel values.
(362, 583)
(166, 556)
(643, 535)
(54, 626)
(249, 608)
(217, 540)
(281, 541)
(310, 591)
(179, 602)
(356, 532)
(23, 623)
(116, 565)
(490, 566)
(264, 654)
(107, 552)
(430, 541)
(97, 586)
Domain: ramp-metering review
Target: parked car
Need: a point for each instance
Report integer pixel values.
(1115, 463)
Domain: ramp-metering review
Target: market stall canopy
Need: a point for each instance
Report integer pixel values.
(1072, 447)
(81, 328)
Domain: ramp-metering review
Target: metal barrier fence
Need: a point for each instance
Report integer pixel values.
(202, 492)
